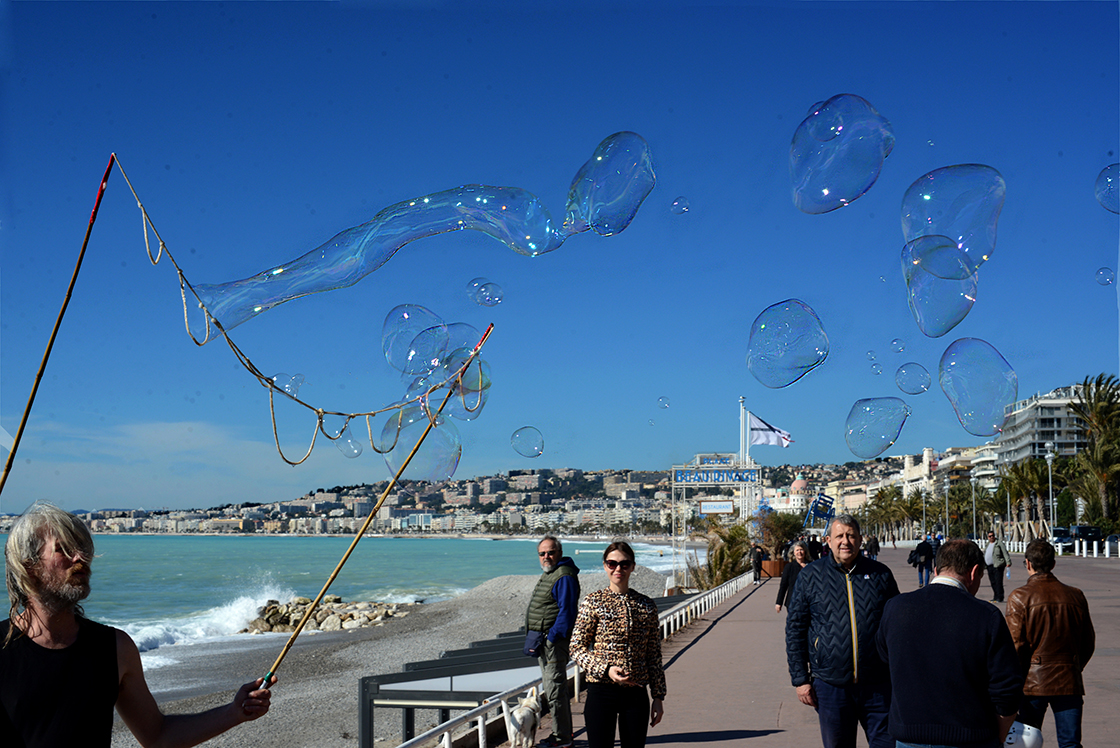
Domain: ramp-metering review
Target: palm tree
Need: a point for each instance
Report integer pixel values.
(915, 504)
(728, 556)
(1098, 407)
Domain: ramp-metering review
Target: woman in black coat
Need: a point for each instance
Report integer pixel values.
(800, 553)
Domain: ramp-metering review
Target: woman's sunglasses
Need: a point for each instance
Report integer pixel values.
(625, 565)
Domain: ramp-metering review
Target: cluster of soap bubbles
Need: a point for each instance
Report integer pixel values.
(604, 196)
(1106, 186)
(837, 153)
(484, 292)
(787, 341)
(431, 355)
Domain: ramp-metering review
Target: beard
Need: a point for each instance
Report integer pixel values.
(549, 567)
(61, 590)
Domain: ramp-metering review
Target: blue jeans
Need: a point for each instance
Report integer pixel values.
(1067, 716)
(923, 575)
(840, 708)
(900, 744)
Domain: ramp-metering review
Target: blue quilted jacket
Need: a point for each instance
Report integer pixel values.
(832, 621)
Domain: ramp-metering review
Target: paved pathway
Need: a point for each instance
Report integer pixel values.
(728, 682)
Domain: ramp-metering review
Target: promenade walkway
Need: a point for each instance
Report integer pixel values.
(729, 685)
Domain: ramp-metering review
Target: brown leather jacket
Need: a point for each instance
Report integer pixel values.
(1053, 635)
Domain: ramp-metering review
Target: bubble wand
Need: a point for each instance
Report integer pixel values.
(373, 512)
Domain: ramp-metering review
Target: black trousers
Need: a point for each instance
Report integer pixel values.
(995, 576)
(609, 704)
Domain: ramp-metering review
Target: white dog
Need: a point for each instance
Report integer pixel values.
(524, 720)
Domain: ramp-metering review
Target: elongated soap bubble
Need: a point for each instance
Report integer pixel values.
(1105, 276)
(874, 424)
(912, 378)
(837, 153)
(787, 341)
(1106, 188)
(937, 304)
(527, 441)
(961, 203)
(979, 383)
(347, 444)
(435, 460)
(604, 196)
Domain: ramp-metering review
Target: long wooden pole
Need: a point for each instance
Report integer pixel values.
(57, 325)
(373, 512)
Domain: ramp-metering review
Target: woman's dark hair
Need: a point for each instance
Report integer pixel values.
(619, 545)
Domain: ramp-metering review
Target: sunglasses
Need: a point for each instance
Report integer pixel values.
(542, 554)
(625, 565)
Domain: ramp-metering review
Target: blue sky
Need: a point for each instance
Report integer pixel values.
(254, 132)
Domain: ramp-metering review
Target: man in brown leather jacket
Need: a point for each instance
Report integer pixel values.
(1054, 638)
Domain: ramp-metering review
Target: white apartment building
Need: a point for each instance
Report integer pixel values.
(1041, 418)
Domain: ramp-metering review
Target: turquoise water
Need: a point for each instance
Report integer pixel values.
(167, 589)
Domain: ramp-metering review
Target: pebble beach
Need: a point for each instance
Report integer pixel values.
(315, 702)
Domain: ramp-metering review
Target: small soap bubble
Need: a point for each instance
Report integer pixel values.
(882, 279)
(527, 442)
(871, 355)
(679, 206)
(979, 383)
(787, 341)
(289, 384)
(490, 294)
(1106, 188)
(874, 424)
(473, 286)
(897, 345)
(929, 142)
(876, 369)
(937, 304)
(961, 204)
(912, 378)
(438, 456)
(347, 444)
(837, 153)
(651, 422)
(663, 402)
(1105, 276)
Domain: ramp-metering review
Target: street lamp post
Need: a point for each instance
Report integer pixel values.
(1050, 477)
(972, 482)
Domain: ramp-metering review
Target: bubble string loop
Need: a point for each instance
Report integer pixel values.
(373, 512)
(214, 327)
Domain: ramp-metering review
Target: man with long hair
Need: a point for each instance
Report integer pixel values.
(61, 674)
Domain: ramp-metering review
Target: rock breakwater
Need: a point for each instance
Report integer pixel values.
(332, 614)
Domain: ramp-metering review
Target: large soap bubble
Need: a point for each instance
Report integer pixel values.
(874, 424)
(435, 460)
(912, 378)
(938, 304)
(979, 383)
(962, 204)
(837, 153)
(604, 196)
(787, 342)
(1106, 188)
(527, 441)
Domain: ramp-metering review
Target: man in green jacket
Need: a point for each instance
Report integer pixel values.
(552, 611)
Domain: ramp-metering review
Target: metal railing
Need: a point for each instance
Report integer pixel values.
(671, 621)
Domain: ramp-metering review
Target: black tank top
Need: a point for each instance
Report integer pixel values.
(59, 697)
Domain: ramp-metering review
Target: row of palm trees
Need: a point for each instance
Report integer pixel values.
(1025, 487)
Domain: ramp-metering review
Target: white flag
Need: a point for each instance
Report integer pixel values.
(764, 433)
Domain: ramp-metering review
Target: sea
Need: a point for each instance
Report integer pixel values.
(170, 590)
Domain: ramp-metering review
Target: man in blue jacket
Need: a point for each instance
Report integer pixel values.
(955, 677)
(830, 639)
(552, 611)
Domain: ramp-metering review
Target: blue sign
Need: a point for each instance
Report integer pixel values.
(715, 476)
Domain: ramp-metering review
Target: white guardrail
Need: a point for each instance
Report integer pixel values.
(1083, 548)
(672, 621)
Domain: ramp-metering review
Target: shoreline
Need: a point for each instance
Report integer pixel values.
(315, 702)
